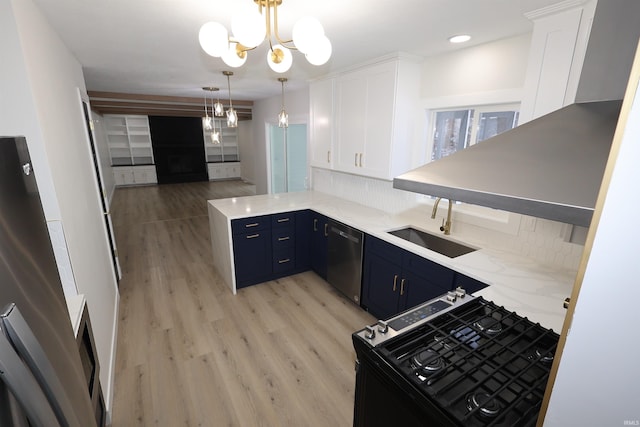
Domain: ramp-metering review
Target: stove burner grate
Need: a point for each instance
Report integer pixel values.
(488, 325)
(483, 405)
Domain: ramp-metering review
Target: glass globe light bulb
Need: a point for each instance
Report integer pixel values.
(214, 39)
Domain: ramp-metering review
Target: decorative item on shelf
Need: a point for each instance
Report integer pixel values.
(283, 117)
(209, 123)
(232, 116)
(251, 29)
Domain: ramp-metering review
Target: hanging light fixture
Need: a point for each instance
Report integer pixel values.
(218, 108)
(209, 123)
(232, 116)
(283, 117)
(251, 29)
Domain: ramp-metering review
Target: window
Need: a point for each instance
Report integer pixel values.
(457, 129)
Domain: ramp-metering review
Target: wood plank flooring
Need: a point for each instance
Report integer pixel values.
(190, 353)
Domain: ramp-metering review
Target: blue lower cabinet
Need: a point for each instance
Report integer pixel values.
(395, 280)
(269, 247)
(252, 257)
(381, 285)
(319, 243)
(303, 240)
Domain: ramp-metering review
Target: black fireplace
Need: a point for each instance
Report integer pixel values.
(178, 149)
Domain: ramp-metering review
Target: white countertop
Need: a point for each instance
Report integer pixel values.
(518, 283)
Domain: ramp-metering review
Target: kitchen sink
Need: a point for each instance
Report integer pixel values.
(432, 242)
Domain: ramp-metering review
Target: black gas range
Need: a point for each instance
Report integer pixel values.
(456, 360)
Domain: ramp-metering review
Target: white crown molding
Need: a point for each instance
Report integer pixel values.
(555, 8)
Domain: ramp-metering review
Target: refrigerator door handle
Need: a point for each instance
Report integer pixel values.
(29, 349)
(24, 387)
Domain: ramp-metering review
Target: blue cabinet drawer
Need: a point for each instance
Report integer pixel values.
(283, 238)
(284, 260)
(252, 224)
(286, 219)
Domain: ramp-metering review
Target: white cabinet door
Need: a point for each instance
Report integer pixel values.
(351, 118)
(321, 96)
(144, 175)
(366, 114)
(379, 119)
(123, 176)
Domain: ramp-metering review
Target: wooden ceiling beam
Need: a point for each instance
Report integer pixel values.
(158, 105)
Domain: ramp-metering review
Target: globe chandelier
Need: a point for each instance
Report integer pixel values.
(249, 30)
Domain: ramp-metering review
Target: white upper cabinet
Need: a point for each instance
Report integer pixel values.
(558, 45)
(321, 95)
(374, 111)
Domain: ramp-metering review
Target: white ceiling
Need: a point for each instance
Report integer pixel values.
(151, 46)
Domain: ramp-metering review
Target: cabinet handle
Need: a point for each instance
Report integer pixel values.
(283, 220)
(395, 282)
(283, 261)
(315, 224)
(360, 160)
(282, 239)
(253, 224)
(253, 236)
(355, 160)
(402, 287)
(326, 230)
(329, 156)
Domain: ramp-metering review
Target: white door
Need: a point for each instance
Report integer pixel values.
(288, 158)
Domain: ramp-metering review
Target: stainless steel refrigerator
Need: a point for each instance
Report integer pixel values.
(42, 379)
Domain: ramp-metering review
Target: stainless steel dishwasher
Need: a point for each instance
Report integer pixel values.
(344, 260)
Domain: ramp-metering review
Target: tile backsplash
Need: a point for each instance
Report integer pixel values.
(540, 239)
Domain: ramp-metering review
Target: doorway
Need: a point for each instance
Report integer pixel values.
(100, 187)
(288, 158)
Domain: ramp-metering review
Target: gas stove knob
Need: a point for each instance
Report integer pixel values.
(451, 296)
(369, 332)
(383, 328)
(460, 292)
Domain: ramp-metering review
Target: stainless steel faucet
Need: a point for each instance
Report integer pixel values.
(446, 225)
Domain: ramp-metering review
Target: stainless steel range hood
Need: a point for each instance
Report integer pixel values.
(550, 167)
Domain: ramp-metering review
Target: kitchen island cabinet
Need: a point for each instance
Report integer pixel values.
(252, 250)
(268, 247)
(518, 283)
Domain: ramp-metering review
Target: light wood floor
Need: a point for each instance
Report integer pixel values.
(192, 354)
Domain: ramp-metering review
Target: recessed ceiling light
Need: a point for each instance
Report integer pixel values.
(460, 38)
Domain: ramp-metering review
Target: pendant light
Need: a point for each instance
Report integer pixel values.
(283, 117)
(215, 133)
(218, 108)
(232, 116)
(207, 121)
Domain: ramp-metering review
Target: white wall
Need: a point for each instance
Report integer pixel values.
(266, 112)
(245, 147)
(39, 83)
(491, 67)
